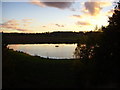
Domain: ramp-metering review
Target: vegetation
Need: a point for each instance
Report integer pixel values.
(24, 71)
(108, 50)
(102, 70)
(107, 55)
(54, 37)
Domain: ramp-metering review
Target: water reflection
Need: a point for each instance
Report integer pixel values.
(57, 51)
(54, 51)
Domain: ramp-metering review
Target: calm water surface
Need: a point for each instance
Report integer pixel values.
(57, 51)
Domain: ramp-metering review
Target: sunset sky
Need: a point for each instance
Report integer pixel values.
(36, 16)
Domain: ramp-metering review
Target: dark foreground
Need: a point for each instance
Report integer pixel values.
(21, 70)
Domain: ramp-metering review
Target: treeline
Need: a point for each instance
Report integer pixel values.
(53, 37)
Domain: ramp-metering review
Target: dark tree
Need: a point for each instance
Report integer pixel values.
(108, 54)
(84, 52)
(114, 21)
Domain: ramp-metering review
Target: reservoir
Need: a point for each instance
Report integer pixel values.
(53, 51)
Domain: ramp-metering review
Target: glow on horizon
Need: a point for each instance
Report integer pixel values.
(29, 17)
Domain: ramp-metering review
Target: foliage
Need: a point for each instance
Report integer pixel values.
(83, 51)
(114, 21)
(21, 70)
(107, 55)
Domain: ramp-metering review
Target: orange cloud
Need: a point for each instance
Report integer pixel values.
(82, 23)
(20, 25)
(109, 13)
(37, 2)
(11, 24)
(105, 4)
(92, 13)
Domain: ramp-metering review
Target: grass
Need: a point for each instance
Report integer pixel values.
(21, 70)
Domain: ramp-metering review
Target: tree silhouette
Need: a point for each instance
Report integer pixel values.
(84, 52)
(114, 21)
(108, 54)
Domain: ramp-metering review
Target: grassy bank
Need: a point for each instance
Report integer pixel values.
(21, 70)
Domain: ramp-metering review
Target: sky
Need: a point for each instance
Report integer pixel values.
(38, 16)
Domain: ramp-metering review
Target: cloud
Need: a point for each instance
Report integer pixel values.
(27, 20)
(82, 23)
(37, 2)
(20, 25)
(94, 8)
(11, 24)
(92, 13)
(21, 30)
(73, 9)
(59, 25)
(105, 4)
(60, 5)
(77, 16)
(110, 13)
(43, 26)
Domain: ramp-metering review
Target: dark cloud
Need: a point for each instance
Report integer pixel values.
(77, 16)
(60, 5)
(82, 23)
(43, 26)
(21, 30)
(59, 25)
(73, 9)
(93, 7)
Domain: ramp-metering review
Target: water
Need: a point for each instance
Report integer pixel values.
(56, 51)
